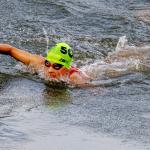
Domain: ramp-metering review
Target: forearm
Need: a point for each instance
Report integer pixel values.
(16, 53)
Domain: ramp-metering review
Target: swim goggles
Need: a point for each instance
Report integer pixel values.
(55, 65)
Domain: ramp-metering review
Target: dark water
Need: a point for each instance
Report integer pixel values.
(114, 115)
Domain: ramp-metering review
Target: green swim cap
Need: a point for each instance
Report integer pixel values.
(61, 53)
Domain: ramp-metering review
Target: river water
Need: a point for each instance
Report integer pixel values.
(113, 115)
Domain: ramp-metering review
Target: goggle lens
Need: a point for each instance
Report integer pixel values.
(55, 65)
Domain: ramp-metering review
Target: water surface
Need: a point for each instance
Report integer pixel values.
(113, 115)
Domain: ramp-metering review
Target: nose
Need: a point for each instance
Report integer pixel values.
(52, 72)
(50, 69)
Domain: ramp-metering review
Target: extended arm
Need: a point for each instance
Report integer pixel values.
(20, 55)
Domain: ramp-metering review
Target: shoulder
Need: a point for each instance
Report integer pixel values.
(36, 59)
(78, 77)
(74, 70)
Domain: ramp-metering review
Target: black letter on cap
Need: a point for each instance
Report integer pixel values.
(63, 50)
(70, 53)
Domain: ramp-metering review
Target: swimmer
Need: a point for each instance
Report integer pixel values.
(56, 65)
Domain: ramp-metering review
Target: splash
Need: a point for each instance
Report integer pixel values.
(46, 38)
(124, 60)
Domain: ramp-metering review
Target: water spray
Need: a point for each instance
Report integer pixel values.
(46, 38)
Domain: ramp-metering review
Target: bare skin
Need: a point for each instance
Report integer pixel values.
(38, 62)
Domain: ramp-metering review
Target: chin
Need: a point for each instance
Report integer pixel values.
(52, 75)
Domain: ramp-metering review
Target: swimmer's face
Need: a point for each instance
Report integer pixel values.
(54, 70)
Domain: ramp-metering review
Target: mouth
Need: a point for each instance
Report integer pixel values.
(52, 74)
(49, 74)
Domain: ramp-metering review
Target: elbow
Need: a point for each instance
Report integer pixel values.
(8, 47)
